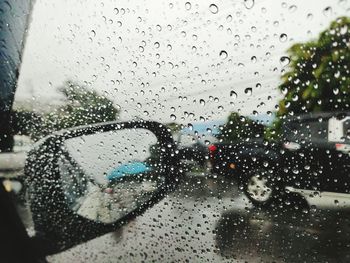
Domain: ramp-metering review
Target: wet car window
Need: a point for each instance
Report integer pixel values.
(313, 130)
(347, 129)
(255, 94)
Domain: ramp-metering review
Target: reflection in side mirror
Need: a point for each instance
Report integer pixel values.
(91, 180)
(107, 175)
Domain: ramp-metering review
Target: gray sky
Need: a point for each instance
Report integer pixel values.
(157, 58)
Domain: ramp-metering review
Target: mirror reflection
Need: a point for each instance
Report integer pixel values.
(107, 175)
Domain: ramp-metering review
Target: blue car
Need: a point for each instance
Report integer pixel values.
(133, 168)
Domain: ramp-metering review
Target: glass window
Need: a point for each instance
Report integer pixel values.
(235, 83)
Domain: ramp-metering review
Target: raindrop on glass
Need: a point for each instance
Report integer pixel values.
(284, 61)
(327, 11)
(233, 94)
(213, 8)
(249, 4)
(283, 37)
(248, 91)
(223, 54)
(292, 8)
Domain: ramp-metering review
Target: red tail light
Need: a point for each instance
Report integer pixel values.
(212, 149)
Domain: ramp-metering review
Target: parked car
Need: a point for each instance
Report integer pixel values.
(313, 155)
(191, 150)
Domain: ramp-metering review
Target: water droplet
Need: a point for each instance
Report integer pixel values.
(327, 11)
(202, 102)
(248, 91)
(223, 54)
(213, 8)
(173, 117)
(253, 59)
(344, 30)
(249, 4)
(233, 94)
(229, 18)
(156, 44)
(283, 37)
(284, 61)
(188, 5)
(295, 97)
(292, 8)
(310, 16)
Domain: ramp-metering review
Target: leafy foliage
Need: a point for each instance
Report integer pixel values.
(238, 127)
(174, 127)
(318, 76)
(82, 106)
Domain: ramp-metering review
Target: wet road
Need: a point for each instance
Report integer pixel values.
(209, 220)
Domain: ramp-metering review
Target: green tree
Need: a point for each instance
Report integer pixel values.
(82, 106)
(318, 76)
(26, 122)
(239, 127)
(174, 127)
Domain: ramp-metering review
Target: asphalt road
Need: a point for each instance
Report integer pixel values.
(209, 220)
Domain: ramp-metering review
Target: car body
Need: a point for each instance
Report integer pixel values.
(313, 155)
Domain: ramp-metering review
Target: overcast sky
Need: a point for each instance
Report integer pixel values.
(163, 60)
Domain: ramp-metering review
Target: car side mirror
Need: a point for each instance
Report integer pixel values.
(88, 181)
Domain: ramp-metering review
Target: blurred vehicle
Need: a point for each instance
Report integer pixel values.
(191, 150)
(312, 156)
(125, 170)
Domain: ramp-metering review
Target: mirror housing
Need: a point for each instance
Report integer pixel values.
(57, 227)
